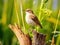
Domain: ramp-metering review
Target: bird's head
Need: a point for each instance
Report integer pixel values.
(29, 11)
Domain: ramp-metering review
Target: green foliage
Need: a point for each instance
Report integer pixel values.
(13, 11)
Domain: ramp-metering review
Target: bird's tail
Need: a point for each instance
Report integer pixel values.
(40, 26)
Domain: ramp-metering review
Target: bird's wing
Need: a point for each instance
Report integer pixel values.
(35, 19)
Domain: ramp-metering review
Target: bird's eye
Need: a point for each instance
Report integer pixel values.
(30, 12)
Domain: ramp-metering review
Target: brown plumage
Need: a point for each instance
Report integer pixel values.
(35, 19)
(31, 16)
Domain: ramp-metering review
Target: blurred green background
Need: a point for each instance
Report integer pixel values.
(12, 11)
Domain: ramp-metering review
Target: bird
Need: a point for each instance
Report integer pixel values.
(31, 18)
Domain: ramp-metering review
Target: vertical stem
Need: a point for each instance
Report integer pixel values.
(4, 15)
(50, 2)
(16, 9)
(55, 28)
(56, 22)
(52, 43)
(21, 8)
(17, 17)
(42, 3)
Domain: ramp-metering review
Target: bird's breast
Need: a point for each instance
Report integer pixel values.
(29, 20)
